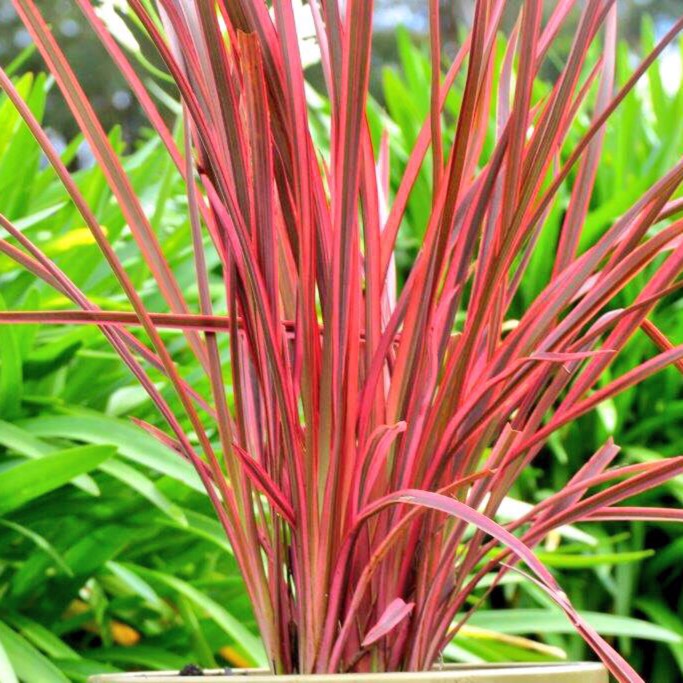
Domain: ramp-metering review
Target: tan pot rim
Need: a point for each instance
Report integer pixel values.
(581, 672)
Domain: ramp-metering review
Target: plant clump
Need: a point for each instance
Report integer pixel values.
(361, 434)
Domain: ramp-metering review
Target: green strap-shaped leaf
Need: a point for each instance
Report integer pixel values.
(7, 673)
(29, 480)
(204, 527)
(11, 374)
(41, 637)
(27, 444)
(139, 657)
(521, 621)
(145, 487)
(28, 663)
(132, 442)
(250, 645)
(40, 542)
(136, 584)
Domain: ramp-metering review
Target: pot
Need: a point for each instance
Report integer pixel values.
(482, 673)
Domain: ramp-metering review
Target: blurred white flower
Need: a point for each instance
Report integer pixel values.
(108, 12)
(305, 30)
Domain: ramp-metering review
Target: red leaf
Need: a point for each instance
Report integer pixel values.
(266, 485)
(393, 615)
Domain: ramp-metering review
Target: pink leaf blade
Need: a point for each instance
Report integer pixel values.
(266, 485)
(435, 501)
(395, 613)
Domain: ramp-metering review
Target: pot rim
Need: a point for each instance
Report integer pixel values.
(580, 672)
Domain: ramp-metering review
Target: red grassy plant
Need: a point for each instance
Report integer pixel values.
(370, 433)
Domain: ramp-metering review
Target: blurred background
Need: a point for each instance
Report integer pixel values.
(114, 103)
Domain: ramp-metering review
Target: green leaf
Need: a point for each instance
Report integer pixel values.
(521, 621)
(200, 646)
(608, 415)
(7, 673)
(249, 644)
(140, 656)
(28, 480)
(89, 554)
(51, 357)
(145, 487)
(659, 613)
(641, 454)
(86, 555)
(125, 400)
(136, 584)
(574, 561)
(511, 509)
(80, 670)
(26, 444)
(21, 441)
(42, 638)
(205, 527)
(131, 442)
(40, 542)
(11, 370)
(38, 216)
(29, 664)
(20, 59)
(495, 647)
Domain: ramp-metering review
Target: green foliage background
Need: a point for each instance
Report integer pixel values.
(110, 558)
